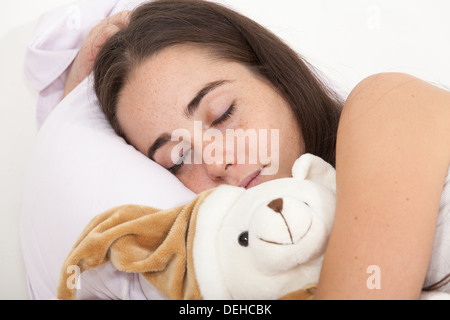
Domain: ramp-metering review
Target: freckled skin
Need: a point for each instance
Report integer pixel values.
(155, 97)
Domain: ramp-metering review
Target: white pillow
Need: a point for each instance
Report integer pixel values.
(79, 168)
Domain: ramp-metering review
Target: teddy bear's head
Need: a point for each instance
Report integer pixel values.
(267, 241)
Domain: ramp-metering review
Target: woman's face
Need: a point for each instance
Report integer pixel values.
(208, 121)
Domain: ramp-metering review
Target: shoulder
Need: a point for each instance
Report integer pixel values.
(396, 89)
(380, 83)
(395, 128)
(392, 156)
(397, 104)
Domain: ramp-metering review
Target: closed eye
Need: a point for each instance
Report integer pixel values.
(177, 166)
(224, 117)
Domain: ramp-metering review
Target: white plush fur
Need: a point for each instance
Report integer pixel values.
(205, 246)
(285, 250)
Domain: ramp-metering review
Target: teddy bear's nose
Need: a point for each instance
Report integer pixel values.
(276, 205)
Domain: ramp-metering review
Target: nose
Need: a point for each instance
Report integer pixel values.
(218, 171)
(218, 163)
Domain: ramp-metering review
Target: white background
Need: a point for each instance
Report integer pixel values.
(346, 39)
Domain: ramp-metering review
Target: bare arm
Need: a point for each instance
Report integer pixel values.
(83, 64)
(393, 152)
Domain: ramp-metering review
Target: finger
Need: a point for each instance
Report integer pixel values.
(103, 36)
(109, 26)
(120, 19)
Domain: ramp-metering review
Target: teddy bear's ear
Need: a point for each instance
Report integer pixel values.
(310, 167)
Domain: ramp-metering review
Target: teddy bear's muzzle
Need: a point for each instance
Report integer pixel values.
(280, 234)
(283, 221)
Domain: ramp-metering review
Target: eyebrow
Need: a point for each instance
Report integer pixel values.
(191, 108)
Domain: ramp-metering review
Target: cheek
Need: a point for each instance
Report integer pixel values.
(195, 179)
(277, 133)
(284, 141)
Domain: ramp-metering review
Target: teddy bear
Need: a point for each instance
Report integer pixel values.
(267, 241)
(262, 243)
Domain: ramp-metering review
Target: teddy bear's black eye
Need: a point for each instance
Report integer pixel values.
(243, 239)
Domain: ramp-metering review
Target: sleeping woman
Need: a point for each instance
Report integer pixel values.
(176, 65)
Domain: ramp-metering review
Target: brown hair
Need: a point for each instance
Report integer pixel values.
(228, 35)
(438, 285)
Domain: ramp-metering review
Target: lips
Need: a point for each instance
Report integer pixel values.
(251, 180)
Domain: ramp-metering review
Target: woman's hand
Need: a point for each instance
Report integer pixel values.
(83, 64)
